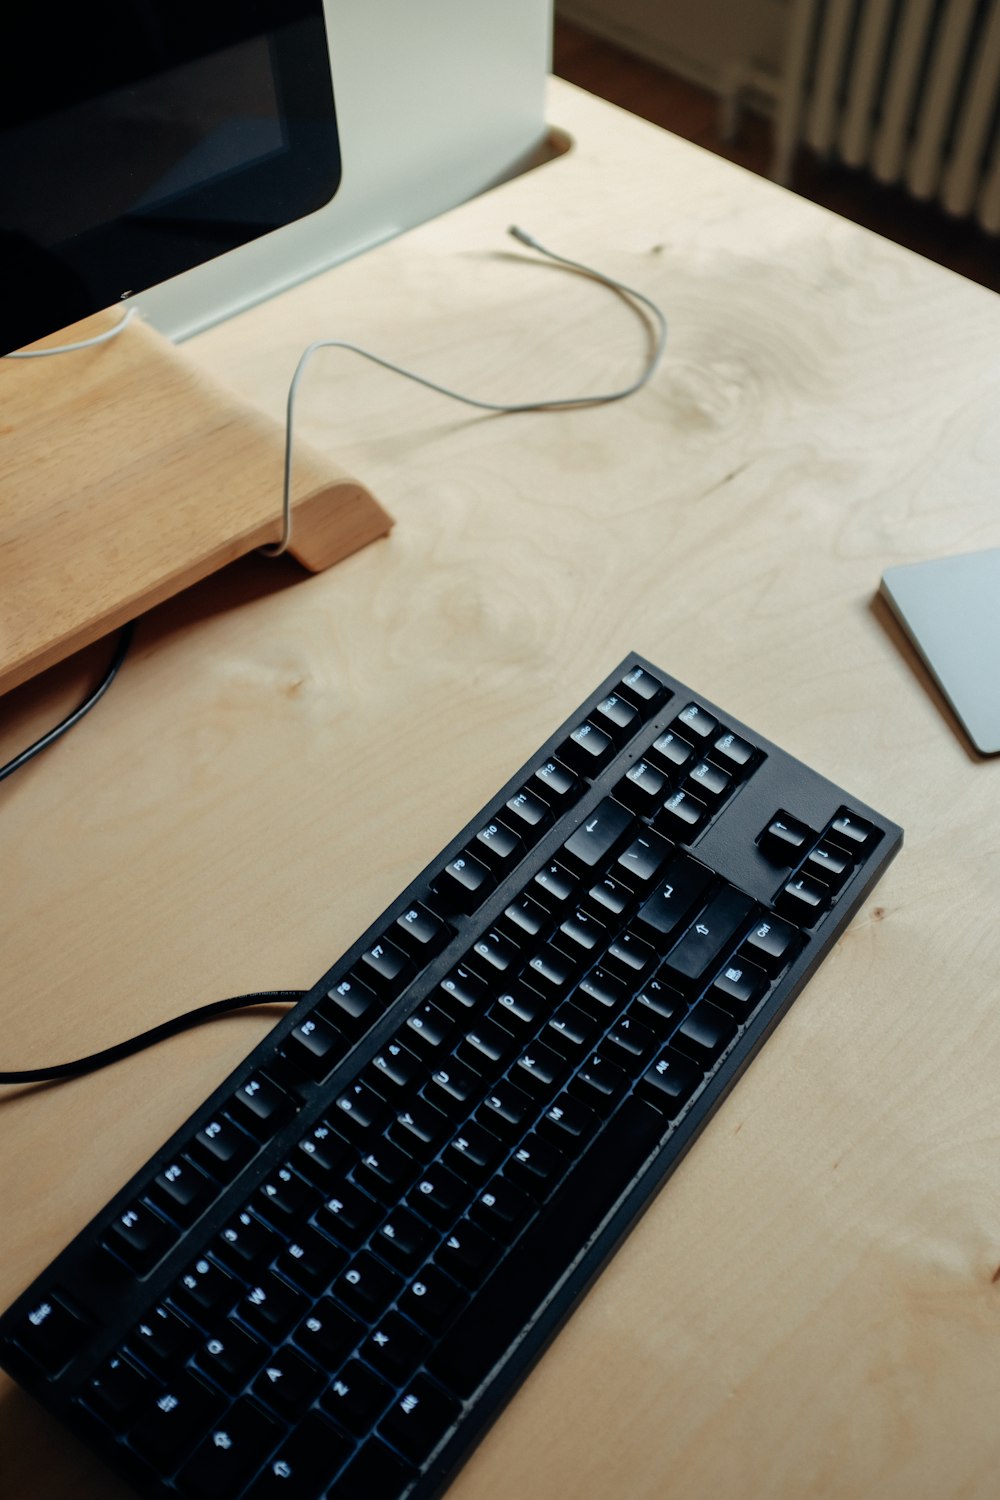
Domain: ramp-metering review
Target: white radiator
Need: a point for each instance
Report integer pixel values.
(908, 89)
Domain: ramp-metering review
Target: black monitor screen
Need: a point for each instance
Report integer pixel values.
(139, 138)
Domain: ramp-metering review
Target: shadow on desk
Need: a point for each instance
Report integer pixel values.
(40, 1458)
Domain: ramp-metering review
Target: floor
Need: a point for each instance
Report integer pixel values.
(647, 90)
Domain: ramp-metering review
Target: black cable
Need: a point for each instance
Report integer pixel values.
(147, 1038)
(124, 641)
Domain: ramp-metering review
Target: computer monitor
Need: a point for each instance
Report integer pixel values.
(142, 139)
(199, 157)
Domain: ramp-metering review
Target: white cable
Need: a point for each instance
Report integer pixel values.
(99, 338)
(561, 403)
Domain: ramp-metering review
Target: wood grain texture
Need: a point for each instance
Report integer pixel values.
(811, 1307)
(126, 474)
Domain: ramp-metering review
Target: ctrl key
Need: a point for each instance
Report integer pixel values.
(51, 1332)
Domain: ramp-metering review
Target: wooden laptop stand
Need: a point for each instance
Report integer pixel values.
(128, 474)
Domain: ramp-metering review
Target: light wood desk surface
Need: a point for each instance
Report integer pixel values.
(812, 1306)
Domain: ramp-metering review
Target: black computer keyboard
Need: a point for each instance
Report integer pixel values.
(334, 1274)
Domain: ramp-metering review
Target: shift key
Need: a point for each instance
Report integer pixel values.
(706, 940)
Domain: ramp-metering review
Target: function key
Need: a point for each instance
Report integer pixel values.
(528, 813)
(785, 839)
(315, 1047)
(697, 721)
(557, 782)
(617, 717)
(771, 942)
(463, 883)
(139, 1237)
(182, 1192)
(853, 833)
(642, 689)
(420, 931)
(259, 1106)
(51, 1332)
(351, 1005)
(588, 749)
(499, 845)
(732, 752)
(222, 1148)
(386, 968)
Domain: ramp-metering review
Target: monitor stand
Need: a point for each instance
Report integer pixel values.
(128, 475)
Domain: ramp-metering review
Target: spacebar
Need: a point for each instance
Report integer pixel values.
(508, 1300)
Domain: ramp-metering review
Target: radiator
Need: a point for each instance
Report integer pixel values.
(907, 89)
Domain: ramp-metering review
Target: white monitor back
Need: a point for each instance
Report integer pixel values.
(435, 100)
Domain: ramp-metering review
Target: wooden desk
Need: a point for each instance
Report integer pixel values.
(812, 1306)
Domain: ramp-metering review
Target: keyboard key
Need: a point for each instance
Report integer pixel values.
(558, 785)
(705, 1034)
(772, 943)
(315, 1047)
(697, 721)
(305, 1463)
(419, 1418)
(739, 989)
(432, 1299)
(420, 932)
(670, 1082)
(259, 1106)
(732, 752)
(598, 834)
(352, 1006)
(803, 899)
(116, 1391)
(395, 1347)
(139, 1237)
(386, 968)
(172, 1419)
(499, 846)
(229, 1357)
(182, 1192)
(271, 1307)
(357, 1398)
(51, 1332)
(468, 1254)
(672, 751)
(703, 944)
(786, 839)
(367, 1286)
(828, 864)
(222, 1148)
(288, 1384)
(463, 883)
(617, 717)
(205, 1290)
(643, 689)
(328, 1334)
(528, 813)
(375, 1474)
(686, 883)
(682, 816)
(348, 1215)
(853, 833)
(230, 1453)
(642, 861)
(161, 1337)
(438, 1196)
(587, 750)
